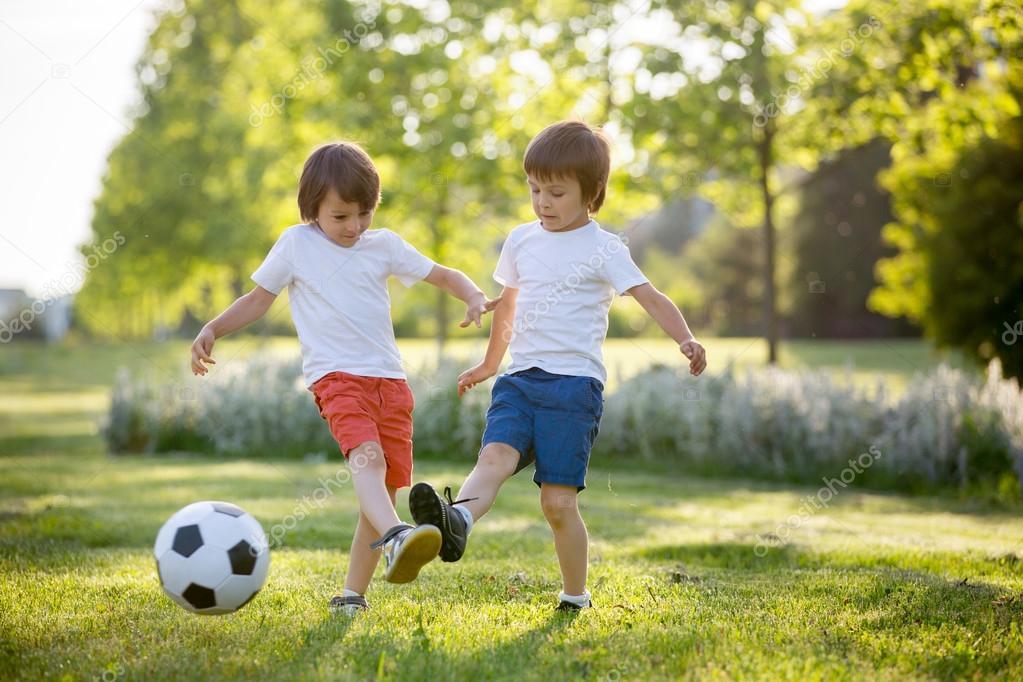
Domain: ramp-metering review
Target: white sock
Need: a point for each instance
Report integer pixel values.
(467, 515)
(579, 600)
(349, 593)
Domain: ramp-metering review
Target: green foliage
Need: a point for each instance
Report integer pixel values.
(959, 270)
(946, 90)
(445, 96)
(721, 127)
(234, 98)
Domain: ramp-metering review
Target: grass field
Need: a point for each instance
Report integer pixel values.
(872, 587)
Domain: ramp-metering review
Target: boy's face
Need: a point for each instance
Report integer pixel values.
(558, 203)
(342, 221)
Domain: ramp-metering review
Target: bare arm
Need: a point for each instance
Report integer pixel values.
(245, 310)
(500, 337)
(669, 318)
(461, 287)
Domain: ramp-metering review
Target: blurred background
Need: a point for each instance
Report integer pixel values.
(835, 188)
(831, 191)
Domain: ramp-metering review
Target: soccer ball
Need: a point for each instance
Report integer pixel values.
(212, 557)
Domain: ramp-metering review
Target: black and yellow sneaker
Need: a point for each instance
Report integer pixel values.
(428, 507)
(407, 549)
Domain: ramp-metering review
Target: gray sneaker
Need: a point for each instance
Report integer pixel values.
(572, 607)
(407, 549)
(347, 606)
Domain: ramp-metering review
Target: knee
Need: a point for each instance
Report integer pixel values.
(559, 506)
(499, 458)
(366, 457)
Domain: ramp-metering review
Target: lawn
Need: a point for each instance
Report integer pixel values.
(874, 586)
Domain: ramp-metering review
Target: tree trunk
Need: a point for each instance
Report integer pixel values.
(439, 247)
(766, 161)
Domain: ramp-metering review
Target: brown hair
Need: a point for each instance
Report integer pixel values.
(343, 167)
(572, 149)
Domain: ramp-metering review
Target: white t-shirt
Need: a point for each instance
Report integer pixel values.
(566, 281)
(338, 297)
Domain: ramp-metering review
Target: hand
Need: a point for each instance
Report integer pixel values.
(201, 349)
(471, 377)
(478, 306)
(693, 350)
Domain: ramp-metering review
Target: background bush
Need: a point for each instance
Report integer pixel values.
(949, 429)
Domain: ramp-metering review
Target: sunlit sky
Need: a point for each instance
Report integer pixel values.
(68, 81)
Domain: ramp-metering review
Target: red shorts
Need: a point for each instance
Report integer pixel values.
(360, 409)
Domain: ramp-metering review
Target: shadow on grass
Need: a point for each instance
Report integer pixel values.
(659, 476)
(420, 654)
(34, 444)
(740, 556)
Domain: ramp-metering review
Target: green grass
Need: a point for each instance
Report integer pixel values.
(872, 587)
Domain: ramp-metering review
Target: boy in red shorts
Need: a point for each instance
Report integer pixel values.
(336, 271)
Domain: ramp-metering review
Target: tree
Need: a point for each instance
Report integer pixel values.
(964, 251)
(717, 124)
(944, 83)
(444, 96)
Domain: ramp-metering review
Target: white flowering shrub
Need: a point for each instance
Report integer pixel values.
(261, 408)
(950, 428)
(768, 423)
(444, 424)
(257, 408)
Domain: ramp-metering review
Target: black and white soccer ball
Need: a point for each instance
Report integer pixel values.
(212, 557)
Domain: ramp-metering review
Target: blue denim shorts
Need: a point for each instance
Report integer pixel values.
(551, 419)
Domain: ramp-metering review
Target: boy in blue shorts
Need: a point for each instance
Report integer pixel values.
(559, 274)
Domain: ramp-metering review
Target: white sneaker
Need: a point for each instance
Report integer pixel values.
(407, 549)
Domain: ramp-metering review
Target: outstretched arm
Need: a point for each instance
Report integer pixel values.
(500, 337)
(667, 315)
(461, 287)
(245, 310)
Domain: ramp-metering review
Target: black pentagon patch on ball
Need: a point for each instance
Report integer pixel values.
(199, 597)
(187, 539)
(243, 558)
(228, 508)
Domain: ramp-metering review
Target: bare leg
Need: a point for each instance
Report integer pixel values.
(362, 560)
(496, 464)
(561, 508)
(368, 467)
